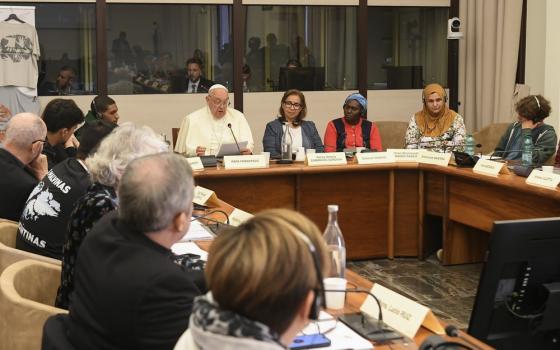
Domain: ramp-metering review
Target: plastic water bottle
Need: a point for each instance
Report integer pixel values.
(286, 143)
(335, 244)
(470, 145)
(527, 151)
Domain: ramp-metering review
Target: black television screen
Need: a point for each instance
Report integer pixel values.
(517, 305)
(302, 78)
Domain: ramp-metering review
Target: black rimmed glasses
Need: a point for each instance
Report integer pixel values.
(292, 105)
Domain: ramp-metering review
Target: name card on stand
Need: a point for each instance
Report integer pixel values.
(406, 155)
(540, 178)
(332, 158)
(254, 161)
(202, 195)
(490, 167)
(375, 157)
(238, 216)
(401, 313)
(435, 158)
(195, 163)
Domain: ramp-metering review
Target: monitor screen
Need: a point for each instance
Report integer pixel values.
(518, 299)
(302, 78)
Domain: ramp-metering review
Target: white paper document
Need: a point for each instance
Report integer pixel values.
(181, 248)
(230, 149)
(197, 232)
(342, 337)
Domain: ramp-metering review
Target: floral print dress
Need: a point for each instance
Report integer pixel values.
(453, 139)
(98, 201)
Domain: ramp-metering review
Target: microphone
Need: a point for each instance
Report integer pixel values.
(234, 138)
(453, 332)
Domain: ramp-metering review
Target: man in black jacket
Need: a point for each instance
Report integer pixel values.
(62, 118)
(196, 83)
(129, 294)
(21, 163)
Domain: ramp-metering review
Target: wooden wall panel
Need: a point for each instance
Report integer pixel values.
(406, 213)
(363, 208)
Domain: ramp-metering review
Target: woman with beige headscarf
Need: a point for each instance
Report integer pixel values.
(436, 127)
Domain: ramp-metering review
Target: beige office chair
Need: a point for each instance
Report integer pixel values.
(489, 136)
(27, 293)
(8, 232)
(392, 133)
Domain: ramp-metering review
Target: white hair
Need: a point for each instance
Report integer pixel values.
(23, 129)
(127, 142)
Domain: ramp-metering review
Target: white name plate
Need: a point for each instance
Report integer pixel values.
(489, 167)
(540, 178)
(238, 216)
(375, 157)
(202, 195)
(332, 158)
(435, 158)
(401, 313)
(195, 163)
(406, 155)
(245, 162)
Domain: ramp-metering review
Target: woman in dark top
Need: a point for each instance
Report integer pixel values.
(292, 112)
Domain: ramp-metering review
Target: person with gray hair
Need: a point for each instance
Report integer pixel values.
(128, 291)
(106, 166)
(21, 163)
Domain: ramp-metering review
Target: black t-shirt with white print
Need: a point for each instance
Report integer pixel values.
(44, 221)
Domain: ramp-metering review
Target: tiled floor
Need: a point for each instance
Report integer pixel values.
(448, 290)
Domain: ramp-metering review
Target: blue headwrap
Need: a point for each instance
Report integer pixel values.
(361, 100)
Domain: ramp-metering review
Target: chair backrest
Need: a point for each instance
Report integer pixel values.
(174, 135)
(489, 136)
(27, 293)
(392, 133)
(8, 232)
(9, 255)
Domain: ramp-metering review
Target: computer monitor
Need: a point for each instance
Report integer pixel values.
(302, 78)
(517, 305)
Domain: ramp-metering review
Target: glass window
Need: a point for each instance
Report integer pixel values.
(304, 47)
(407, 47)
(149, 46)
(67, 42)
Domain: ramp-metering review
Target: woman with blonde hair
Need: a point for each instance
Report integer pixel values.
(265, 284)
(436, 126)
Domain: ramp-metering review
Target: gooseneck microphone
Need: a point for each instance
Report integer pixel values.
(234, 138)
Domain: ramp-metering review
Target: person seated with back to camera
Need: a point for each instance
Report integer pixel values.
(205, 130)
(102, 108)
(129, 292)
(531, 112)
(21, 163)
(62, 117)
(352, 130)
(293, 111)
(43, 224)
(106, 166)
(436, 127)
(265, 282)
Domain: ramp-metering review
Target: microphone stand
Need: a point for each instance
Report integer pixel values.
(234, 138)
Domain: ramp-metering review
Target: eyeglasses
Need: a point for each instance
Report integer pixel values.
(219, 103)
(42, 141)
(292, 105)
(325, 326)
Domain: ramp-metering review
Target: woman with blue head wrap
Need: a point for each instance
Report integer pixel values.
(353, 130)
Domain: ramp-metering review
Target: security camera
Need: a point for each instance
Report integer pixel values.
(454, 29)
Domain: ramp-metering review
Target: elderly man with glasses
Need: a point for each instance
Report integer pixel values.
(21, 163)
(205, 130)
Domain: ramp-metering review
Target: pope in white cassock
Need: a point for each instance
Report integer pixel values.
(205, 130)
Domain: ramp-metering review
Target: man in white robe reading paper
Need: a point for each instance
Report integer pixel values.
(205, 130)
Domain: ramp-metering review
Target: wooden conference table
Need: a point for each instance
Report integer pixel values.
(389, 210)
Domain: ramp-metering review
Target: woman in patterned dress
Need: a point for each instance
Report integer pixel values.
(436, 127)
